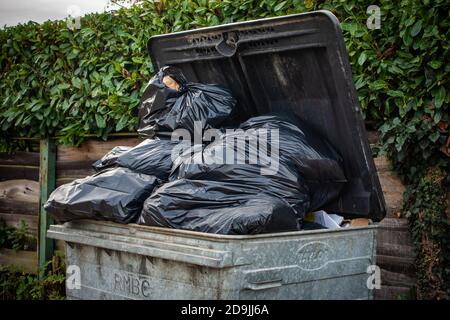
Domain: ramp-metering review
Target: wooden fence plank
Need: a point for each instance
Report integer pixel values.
(21, 190)
(62, 166)
(25, 260)
(92, 150)
(15, 221)
(403, 265)
(76, 162)
(10, 172)
(19, 197)
(17, 207)
(20, 158)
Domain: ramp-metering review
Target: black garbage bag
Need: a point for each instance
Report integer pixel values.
(317, 161)
(165, 109)
(110, 159)
(285, 183)
(115, 194)
(217, 207)
(151, 157)
(296, 164)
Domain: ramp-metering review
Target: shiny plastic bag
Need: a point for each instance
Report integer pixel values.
(151, 156)
(290, 161)
(115, 194)
(316, 160)
(164, 109)
(110, 159)
(217, 207)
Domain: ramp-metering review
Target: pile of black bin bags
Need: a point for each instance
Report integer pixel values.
(260, 177)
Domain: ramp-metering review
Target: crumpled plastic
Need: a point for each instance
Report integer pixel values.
(217, 207)
(164, 110)
(297, 164)
(151, 156)
(115, 194)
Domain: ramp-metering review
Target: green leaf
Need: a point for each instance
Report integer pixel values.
(100, 121)
(309, 4)
(435, 64)
(362, 58)
(395, 93)
(36, 107)
(439, 96)
(279, 6)
(138, 60)
(434, 136)
(350, 27)
(76, 82)
(416, 28)
(63, 86)
(410, 21)
(122, 123)
(407, 39)
(378, 84)
(437, 117)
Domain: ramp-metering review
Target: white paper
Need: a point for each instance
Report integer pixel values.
(326, 220)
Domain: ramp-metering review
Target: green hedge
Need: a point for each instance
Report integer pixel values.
(15, 284)
(55, 81)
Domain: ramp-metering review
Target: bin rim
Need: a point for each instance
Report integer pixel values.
(328, 14)
(132, 228)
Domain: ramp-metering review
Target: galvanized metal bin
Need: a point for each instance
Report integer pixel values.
(139, 262)
(298, 63)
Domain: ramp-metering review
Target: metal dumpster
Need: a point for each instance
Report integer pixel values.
(299, 63)
(140, 262)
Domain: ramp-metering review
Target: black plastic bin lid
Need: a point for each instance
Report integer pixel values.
(298, 62)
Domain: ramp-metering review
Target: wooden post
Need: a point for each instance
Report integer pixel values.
(47, 182)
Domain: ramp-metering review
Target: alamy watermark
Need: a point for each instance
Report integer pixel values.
(374, 19)
(73, 277)
(73, 20)
(234, 146)
(374, 279)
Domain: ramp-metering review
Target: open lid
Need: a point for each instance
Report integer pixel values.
(296, 62)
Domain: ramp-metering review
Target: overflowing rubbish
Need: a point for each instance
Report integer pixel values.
(165, 109)
(115, 194)
(152, 157)
(328, 221)
(323, 220)
(262, 176)
(290, 161)
(109, 159)
(217, 207)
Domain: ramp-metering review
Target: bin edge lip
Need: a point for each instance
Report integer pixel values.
(209, 236)
(321, 13)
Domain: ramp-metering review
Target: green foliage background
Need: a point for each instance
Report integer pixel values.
(64, 83)
(425, 206)
(55, 81)
(49, 284)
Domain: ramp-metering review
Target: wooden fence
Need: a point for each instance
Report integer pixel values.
(24, 187)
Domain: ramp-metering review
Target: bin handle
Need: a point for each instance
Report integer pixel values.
(228, 46)
(264, 285)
